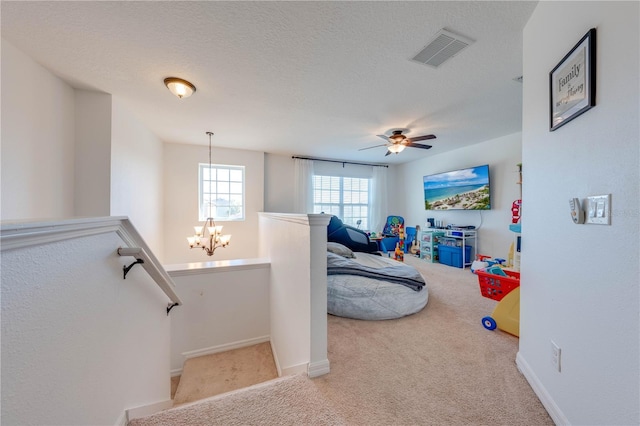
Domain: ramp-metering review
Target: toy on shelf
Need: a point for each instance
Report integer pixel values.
(516, 207)
(504, 286)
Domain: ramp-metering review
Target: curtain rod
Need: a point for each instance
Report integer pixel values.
(341, 162)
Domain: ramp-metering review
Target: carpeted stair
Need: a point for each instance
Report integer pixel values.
(291, 400)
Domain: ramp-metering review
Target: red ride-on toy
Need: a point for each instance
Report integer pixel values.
(503, 286)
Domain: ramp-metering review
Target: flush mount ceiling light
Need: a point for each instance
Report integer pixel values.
(179, 87)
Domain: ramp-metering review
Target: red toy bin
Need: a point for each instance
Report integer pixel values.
(496, 286)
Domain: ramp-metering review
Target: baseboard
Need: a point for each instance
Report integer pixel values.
(545, 398)
(147, 410)
(122, 420)
(319, 368)
(220, 348)
(226, 347)
(296, 369)
(275, 359)
(288, 371)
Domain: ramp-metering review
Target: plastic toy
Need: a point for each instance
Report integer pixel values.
(516, 211)
(506, 315)
(506, 290)
(482, 262)
(479, 263)
(495, 270)
(504, 285)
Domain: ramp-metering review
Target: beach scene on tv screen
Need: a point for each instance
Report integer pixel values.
(466, 189)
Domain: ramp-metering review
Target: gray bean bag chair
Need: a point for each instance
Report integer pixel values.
(372, 295)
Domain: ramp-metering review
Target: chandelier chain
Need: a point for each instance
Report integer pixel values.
(215, 238)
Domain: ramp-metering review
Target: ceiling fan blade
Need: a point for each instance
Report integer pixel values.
(418, 145)
(375, 146)
(422, 138)
(388, 153)
(386, 138)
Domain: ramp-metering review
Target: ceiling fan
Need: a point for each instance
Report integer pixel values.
(397, 142)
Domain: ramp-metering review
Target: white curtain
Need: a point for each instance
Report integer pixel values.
(378, 199)
(303, 186)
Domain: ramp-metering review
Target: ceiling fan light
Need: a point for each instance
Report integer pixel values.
(396, 148)
(179, 87)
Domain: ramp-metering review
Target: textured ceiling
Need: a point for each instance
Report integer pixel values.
(305, 78)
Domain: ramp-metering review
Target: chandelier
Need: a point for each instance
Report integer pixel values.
(208, 236)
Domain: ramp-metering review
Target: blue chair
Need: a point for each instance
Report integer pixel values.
(388, 245)
(390, 227)
(409, 237)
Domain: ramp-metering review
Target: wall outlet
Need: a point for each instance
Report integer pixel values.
(555, 355)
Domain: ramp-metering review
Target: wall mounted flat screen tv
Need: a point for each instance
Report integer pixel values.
(464, 189)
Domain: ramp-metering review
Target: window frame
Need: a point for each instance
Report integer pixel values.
(202, 210)
(320, 207)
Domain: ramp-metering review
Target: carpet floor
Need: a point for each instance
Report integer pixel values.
(436, 367)
(211, 375)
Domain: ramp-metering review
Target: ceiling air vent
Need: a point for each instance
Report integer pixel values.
(444, 45)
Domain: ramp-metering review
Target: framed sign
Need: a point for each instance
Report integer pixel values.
(572, 83)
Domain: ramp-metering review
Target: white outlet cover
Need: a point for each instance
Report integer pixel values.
(597, 210)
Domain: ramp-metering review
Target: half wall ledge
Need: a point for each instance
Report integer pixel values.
(197, 268)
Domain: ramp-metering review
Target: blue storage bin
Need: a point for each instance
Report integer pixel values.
(452, 256)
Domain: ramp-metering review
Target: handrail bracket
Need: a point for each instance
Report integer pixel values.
(170, 306)
(159, 275)
(126, 269)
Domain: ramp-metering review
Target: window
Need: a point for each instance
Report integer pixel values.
(221, 192)
(345, 197)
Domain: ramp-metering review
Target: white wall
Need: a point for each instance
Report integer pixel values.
(225, 306)
(137, 176)
(80, 351)
(37, 140)
(297, 245)
(278, 183)
(69, 152)
(93, 153)
(181, 201)
(502, 155)
(580, 283)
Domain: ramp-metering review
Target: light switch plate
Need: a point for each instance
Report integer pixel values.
(598, 210)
